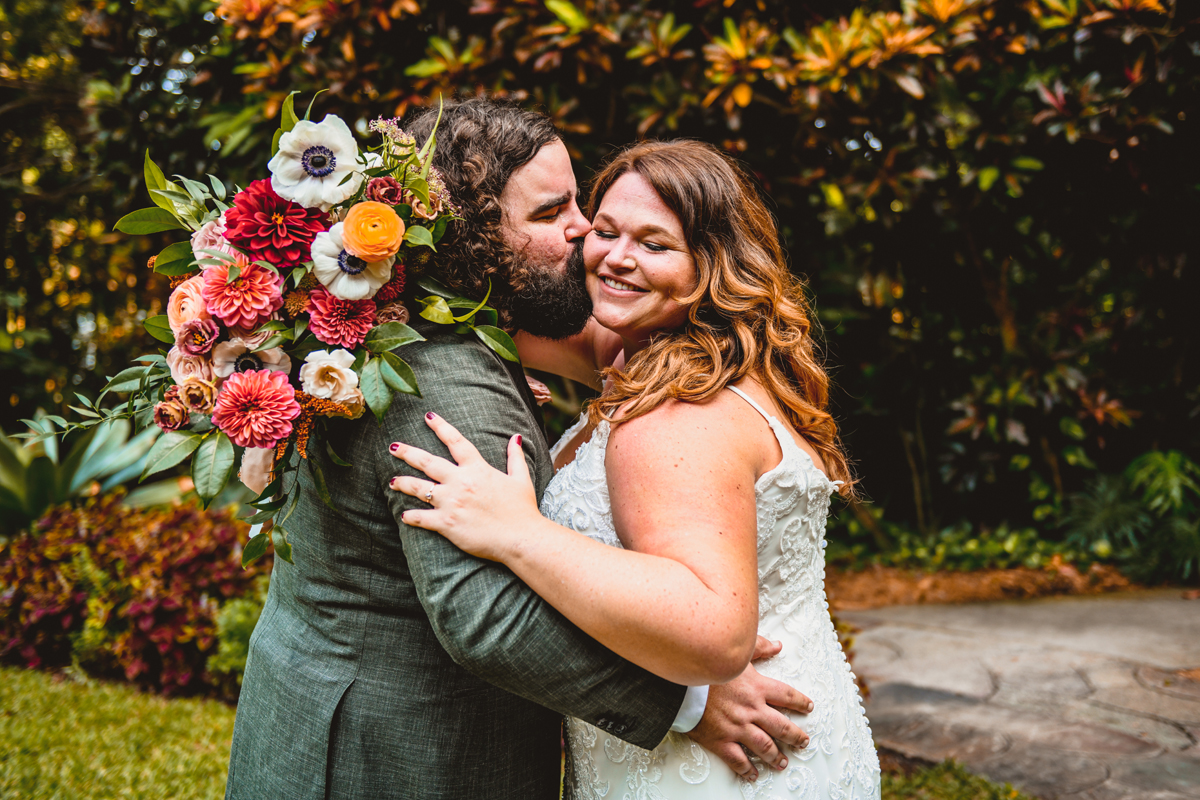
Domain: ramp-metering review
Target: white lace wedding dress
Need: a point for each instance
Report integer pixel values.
(840, 762)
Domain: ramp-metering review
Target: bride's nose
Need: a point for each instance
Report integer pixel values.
(620, 256)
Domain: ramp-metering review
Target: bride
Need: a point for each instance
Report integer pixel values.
(703, 510)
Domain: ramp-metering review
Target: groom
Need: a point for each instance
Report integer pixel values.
(389, 664)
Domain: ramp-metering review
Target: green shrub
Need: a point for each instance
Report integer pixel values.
(1147, 520)
(124, 592)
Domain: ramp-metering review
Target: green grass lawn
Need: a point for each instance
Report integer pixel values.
(62, 740)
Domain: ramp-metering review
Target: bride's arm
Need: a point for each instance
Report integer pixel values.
(579, 357)
(682, 600)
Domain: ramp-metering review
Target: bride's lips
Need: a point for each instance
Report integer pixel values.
(620, 287)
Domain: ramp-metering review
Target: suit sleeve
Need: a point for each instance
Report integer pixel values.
(490, 622)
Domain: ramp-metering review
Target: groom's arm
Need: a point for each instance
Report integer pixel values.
(489, 622)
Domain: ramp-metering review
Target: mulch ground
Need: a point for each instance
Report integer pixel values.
(878, 586)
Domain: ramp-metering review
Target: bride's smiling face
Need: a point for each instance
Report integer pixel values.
(638, 263)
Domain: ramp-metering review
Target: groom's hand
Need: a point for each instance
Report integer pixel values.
(744, 712)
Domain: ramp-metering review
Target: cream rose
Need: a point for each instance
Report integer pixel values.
(183, 366)
(328, 374)
(186, 304)
(355, 402)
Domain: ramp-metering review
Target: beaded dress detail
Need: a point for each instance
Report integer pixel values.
(840, 762)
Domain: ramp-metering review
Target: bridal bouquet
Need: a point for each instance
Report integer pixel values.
(286, 307)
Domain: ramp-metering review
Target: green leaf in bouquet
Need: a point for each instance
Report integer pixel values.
(426, 153)
(274, 325)
(419, 187)
(217, 187)
(233, 274)
(129, 379)
(160, 328)
(148, 220)
(321, 485)
(399, 375)
(334, 457)
(439, 228)
(216, 257)
(418, 236)
(273, 341)
(308, 113)
(389, 336)
(212, 465)
(275, 142)
(84, 412)
(374, 388)
(266, 265)
(175, 259)
(169, 199)
(486, 316)
(287, 114)
(499, 341)
(404, 212)
(436, 310)
(300, 329)
(261, 516)
(305, 346)
(292, 503)
(155, 179)
(197, 190)
(150, 358)
(255, 549)
(283, 547)
(433, 287)
(466, 317)
(171, 448)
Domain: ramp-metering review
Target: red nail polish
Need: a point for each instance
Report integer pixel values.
(519, 440)
(395, 446)
(430, 415)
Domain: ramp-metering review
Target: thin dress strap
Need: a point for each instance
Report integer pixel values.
(770, 419)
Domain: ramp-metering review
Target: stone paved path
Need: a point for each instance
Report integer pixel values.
(1073, 698)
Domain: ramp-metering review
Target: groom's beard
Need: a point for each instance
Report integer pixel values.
(552, 304)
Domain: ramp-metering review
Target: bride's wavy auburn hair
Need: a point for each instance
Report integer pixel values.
(747, 315)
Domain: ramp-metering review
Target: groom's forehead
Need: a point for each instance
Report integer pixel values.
(545, 181)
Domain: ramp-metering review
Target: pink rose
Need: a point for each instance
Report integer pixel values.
(187, 303)
(211, 236)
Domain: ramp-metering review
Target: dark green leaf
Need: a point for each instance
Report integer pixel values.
(499, 341)
(417, 235)
(129, 379)
(255, 549)
(283, 547)
(389, 336)
(273, 341)
(321, 486)
(375, 389)
(399, 375)
(212, 465)
(171, 448)
(160, 328)
(334, 457)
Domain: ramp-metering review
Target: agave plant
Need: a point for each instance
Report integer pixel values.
(35, 476)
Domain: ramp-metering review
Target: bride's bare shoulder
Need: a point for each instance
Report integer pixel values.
(718, 428)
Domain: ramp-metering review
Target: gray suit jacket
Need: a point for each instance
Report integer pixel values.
(389, 664)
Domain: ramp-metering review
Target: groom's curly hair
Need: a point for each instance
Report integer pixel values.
(480, 143)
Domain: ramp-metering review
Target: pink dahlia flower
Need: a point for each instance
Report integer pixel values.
(256, 408)
(344, 323)
(246, 302)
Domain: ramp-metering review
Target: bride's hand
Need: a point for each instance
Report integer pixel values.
(482, 510)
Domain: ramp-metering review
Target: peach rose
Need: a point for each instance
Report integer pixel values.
(372, 231)
(187, 303)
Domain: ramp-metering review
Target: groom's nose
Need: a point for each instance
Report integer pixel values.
(577, 224)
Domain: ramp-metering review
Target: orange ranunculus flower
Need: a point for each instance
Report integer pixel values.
(372, 231)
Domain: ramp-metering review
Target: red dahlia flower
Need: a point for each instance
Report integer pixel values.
(270, 228)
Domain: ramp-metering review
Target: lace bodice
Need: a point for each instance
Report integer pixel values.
(840, 762)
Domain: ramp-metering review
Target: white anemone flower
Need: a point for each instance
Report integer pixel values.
(347, 276)
(313, 159)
